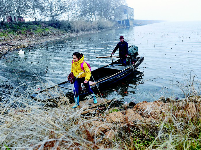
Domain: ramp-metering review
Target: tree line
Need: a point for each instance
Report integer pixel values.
(89, 10)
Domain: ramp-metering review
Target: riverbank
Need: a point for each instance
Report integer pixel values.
(21, 35)
(23, 41)
(162, 124)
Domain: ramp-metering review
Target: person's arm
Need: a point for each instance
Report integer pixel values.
(87, 72)
(115, 49)
(73, 71)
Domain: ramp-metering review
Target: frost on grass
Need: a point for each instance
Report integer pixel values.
(35, 126)
(146, 125)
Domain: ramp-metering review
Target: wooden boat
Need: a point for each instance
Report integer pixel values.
(100, 79)
(115, 71)
(112, 73)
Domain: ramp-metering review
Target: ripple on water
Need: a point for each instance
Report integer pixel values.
(171, 51)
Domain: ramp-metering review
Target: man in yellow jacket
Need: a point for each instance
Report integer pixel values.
(82, 73)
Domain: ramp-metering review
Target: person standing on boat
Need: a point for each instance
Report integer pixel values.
(123, 50)
(82, 74)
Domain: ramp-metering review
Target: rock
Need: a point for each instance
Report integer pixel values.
(168, 100)
(98, 127)
(132, 104)
(115, 117)
(154, 109)
(132, 116)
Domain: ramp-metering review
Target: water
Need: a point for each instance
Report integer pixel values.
(171, 51)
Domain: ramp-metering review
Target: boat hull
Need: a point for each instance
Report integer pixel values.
(113, 73)
(101, 78)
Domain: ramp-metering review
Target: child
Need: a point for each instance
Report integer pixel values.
(81, 76)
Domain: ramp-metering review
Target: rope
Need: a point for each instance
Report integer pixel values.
(97, 87)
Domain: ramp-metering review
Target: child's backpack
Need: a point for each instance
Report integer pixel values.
(87, 65)
(82, 65)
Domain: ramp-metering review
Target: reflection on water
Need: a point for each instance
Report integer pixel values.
(171, 52)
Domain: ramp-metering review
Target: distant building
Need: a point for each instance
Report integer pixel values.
(19, 19)
(127, 16)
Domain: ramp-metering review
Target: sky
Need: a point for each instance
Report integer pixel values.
(170, 10)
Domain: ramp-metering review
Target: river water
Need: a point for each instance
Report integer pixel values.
(171, 66)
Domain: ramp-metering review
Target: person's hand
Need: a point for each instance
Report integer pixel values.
(112, 54)
(85, 81)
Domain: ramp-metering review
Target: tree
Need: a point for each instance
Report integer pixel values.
(89, 9)
(17, 8)
(3, 9)
(37, 8)
(54, 9)
(94, 9)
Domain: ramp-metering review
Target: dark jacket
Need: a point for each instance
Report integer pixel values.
(123, 49)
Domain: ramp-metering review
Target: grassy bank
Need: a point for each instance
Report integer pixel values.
(8, 30)
(162, 124)
(21, 35)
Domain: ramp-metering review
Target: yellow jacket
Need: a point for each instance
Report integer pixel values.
(77, 70)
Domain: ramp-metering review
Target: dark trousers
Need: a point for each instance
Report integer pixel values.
(123, 61)
(77, 85)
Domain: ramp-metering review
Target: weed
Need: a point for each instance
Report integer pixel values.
(114, 110)
(7, 148)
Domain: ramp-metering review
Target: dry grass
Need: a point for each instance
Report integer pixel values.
(35, 127)
(155, 125)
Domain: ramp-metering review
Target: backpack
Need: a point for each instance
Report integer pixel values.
(82, 65)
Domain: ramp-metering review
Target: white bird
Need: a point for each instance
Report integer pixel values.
(21, 52)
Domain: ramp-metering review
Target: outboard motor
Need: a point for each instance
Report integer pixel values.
(133, 52)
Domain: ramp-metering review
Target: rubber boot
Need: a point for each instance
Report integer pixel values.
(76, 102)
(94, 98)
